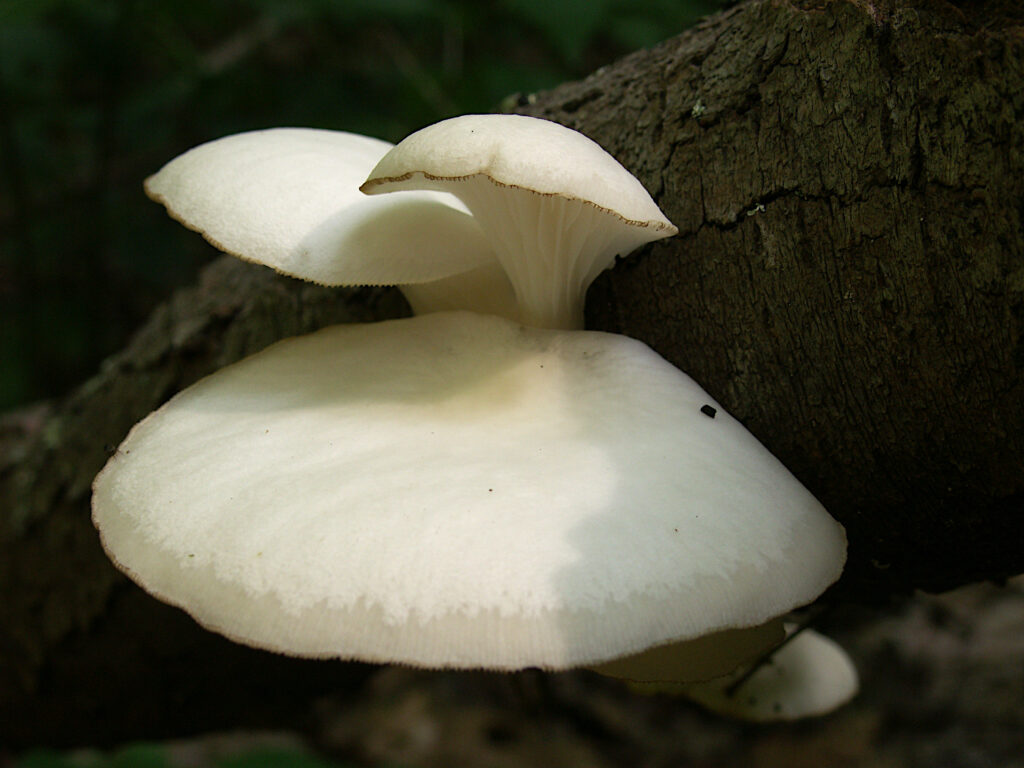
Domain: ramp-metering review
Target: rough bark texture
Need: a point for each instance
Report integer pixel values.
(848, 281)
(849, 275)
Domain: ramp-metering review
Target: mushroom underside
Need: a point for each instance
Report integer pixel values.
(809, 676)
(551, 247)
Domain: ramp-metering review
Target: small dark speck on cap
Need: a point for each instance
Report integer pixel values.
(708, 410)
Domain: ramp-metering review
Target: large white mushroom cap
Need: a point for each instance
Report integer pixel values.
(457, 490)
(556, 207)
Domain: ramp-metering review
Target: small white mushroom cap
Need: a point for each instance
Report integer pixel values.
(556, 207)
(289, 198)
(457, 490)
(809, 676)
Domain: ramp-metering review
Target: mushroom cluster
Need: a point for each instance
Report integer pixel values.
(481, 485)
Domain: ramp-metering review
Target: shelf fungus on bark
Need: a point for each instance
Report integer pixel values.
(457, 489)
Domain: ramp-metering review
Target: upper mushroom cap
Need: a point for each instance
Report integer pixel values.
(289, 198)
(519, 151)
(555, 207)
(456, 490)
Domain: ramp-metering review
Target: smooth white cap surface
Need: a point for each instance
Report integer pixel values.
(518, 151)
(457, 490)
(289, 198)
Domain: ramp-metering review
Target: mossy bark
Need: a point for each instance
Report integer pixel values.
(848, 281)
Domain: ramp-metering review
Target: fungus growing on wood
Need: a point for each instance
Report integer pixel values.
(289, 198)
(456, 489)
(554, 206)
(550, 211)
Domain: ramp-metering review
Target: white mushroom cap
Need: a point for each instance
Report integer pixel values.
(456, 490)
(554, 205)
(289, 198)
(809, 676)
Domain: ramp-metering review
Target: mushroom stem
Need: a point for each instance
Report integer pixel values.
(551, 247)
(485, 289)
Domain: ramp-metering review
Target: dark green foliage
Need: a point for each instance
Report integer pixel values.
(96, 94)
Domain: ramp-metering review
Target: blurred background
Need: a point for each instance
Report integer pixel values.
(97, 94)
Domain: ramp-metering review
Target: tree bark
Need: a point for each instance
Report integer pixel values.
(848, 281)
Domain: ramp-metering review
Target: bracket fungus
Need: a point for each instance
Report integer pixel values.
(457, 489)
